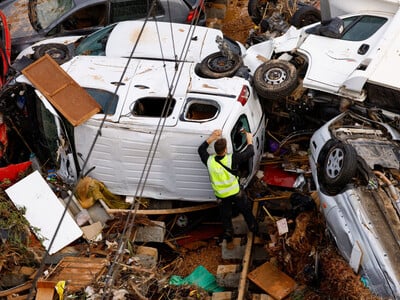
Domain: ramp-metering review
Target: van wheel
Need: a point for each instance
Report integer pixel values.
(275, 79)
(338, 166)
(58, 52)
(216, 65)
(305, 15)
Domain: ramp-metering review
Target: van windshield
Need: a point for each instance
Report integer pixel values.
(95, 43)
(360, 28)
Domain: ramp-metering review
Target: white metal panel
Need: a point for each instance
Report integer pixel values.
(341, 7)
(162, 40)
(44, 211)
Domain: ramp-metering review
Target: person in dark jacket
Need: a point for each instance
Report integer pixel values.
(225, 182)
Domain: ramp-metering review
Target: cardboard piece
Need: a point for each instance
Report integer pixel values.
(65, 94)
(355, 257)
(44, 211)
(272, 280)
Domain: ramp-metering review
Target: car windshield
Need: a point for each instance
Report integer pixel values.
(47, 11)
(95, 43)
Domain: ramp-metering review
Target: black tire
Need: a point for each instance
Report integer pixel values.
(305, 15)
(216, 65)
(59, 52)
(255, 9)
(337, 163)
(275, 79)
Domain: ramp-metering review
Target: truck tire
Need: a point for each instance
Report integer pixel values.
(216, 65)
(337, 166)
(275, 79)
(305, 15)
(59, 52)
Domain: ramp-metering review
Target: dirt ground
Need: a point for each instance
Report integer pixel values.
(237, 22)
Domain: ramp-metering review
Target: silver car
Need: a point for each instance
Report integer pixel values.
(34, 20)
(355, 163)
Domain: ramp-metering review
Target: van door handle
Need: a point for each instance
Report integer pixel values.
(363, 49)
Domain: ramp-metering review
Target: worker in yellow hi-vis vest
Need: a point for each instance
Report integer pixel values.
(224, 180)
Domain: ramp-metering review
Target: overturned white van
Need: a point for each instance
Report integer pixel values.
(154, 114)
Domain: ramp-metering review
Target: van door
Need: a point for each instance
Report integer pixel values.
(330, 66)
(249, 168)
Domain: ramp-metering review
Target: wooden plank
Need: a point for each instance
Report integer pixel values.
(164, 211)
(17, 289)
(272, 280)
(246, 260)
(65, 94)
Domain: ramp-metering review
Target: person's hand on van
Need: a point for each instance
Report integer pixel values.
(249, 138)
(215, 135)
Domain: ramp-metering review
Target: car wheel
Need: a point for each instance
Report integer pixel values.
(339, 166)
(59, 52)
(275, 79)
(255, 9)
(305, 15)
(216, 65)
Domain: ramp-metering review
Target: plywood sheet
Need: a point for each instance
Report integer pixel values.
(79, 272)
(65, 94)
(272, 280)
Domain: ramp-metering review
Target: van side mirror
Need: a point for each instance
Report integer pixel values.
(332, 28)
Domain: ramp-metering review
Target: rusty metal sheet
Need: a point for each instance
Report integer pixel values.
(65, 94)
(272, 280)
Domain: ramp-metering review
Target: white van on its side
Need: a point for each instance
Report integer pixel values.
(162, 111)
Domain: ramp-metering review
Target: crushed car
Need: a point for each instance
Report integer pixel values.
(153, 112)
(295, 75)
(111, 41)
(35, 20)
(355, 161)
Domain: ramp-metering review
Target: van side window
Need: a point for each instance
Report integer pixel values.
(200, 110)
(91, 16)
(106, 100)
(153, 107)
(122, 10)
(237, 136)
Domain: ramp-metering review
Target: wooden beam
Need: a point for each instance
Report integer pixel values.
(246, 260)
(170, 211)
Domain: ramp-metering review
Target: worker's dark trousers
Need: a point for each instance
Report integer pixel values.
(243, 205)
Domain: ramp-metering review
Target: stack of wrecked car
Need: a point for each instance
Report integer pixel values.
(155, 108)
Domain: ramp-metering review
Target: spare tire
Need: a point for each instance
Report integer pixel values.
(337, 166)
(59, 52)
(275, 79)
(305, 15)
(217, 65)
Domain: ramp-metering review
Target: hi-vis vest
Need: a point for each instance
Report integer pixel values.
(223, 182)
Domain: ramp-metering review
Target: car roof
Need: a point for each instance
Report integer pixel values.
(123, 38)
